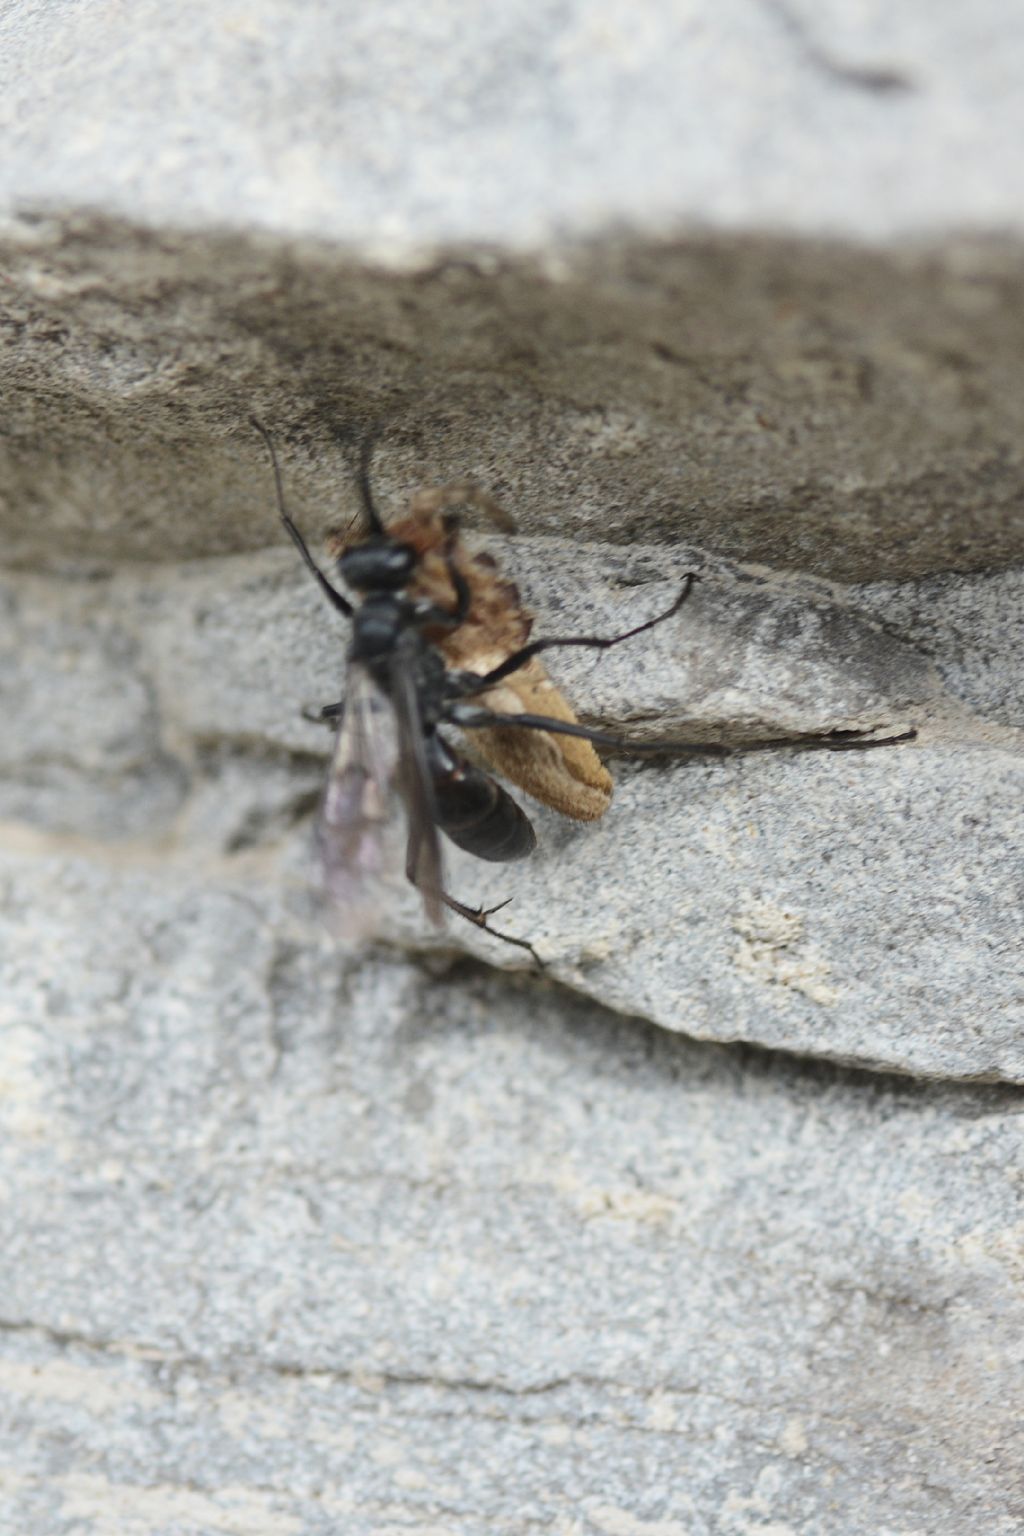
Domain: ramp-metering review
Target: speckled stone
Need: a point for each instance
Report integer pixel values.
(290, 1244)
(298, 1237)
(862, 906)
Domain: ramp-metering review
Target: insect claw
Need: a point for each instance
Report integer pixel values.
(327, 714)
(479, 916)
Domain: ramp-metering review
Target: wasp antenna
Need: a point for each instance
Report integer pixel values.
(333, 596)
(373, 518)
(261, 429)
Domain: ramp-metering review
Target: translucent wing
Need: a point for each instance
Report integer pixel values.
(423, 863)
(359, 827)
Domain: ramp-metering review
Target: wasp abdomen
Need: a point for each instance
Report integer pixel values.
(474, 811)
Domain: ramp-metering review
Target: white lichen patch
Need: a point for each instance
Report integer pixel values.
(25, 1111)
(772, 950)
(132, 1510)
(628, 1205)
(620, 1522)
(661, 1413)
(64, 1381)
(793, 1438)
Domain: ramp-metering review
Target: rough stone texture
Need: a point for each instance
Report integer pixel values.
(855, 413)
(436, 193)
(804, 901)
(313, 1247)
(294, 1239)
(379, 125)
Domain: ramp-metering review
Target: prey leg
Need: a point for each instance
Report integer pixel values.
(837, 741)
(433, 613)
(460, 586)
(472, 717)
(468, 683)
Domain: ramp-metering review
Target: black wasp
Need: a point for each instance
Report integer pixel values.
(399, 692)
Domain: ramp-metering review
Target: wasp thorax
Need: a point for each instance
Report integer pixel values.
(378, 564)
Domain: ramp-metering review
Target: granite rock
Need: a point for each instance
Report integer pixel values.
(296, 1238)
(864, 906)
(853, 413)
(749, 276)
(384, 127)
(293, 1244)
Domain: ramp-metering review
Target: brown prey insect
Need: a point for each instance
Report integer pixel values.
(563, 772)
(492, 642)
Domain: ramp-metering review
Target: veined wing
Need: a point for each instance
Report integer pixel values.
(424, 864)
(359, 815)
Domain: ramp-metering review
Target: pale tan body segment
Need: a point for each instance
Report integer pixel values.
(560, 771)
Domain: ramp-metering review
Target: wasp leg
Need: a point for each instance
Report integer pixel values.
(334, 597)
(476, 915)
(468, 683)
(328, 715)
(470, 717)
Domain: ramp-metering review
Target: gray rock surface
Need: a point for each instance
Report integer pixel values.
(294, 1241)
(736, 366)
(850, 412)
(296, 1246)
(301, 1238)
(804, 901)
(387, 127)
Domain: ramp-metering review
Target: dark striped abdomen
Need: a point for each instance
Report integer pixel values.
(473, 809)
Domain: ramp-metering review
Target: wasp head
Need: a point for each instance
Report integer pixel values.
(378, 564)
